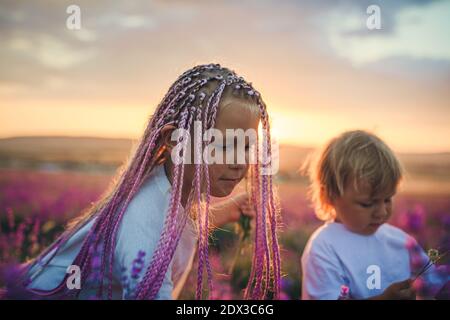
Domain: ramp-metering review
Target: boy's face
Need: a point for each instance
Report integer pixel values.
(362, 212)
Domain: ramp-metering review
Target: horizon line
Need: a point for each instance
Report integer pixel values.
(290, 144)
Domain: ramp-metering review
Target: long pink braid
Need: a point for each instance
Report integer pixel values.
(273, 202)
(263, 202)
(184, 102)
(203, 222)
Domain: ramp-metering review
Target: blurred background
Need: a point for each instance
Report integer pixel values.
(73, 102)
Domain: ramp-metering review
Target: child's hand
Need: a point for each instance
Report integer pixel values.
(402, 290)
(240, 205)
(230, 210)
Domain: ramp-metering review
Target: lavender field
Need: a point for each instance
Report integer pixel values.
(35, 205)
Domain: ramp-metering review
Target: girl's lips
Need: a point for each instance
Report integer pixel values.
(233, 180)
(230, 182)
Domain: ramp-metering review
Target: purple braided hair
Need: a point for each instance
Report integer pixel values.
(184, 103)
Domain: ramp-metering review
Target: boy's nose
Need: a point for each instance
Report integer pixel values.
(380, 212)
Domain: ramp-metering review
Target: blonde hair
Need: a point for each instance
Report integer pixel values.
(353, 157)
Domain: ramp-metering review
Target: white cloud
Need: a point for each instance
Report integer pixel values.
(84, 35)
(50, 51)
(421, 32)
(134, 21)
(127, 21)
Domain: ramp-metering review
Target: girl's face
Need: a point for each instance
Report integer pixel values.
(361, 212)
(233, 114)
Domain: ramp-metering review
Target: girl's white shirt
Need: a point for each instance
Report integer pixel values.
(140, 229)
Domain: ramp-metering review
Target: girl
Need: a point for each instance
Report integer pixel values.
(158, 209)
(353, 183)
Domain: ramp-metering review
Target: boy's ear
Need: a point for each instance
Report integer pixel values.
(328, 198)
(166, 134)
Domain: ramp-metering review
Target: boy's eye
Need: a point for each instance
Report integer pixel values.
(365, 205)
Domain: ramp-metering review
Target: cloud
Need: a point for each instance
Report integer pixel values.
(420, 32)
(50, 51)
(85, 35)
(126, 21)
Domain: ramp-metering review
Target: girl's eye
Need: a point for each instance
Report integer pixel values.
(388, 200)
(230, 147)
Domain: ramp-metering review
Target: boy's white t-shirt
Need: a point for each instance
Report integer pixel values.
(335, 256)
(140, 229)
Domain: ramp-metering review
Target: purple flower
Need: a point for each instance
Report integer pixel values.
(129, 284)
(445, 220)
(284, 296)
(286, 283)
(413, 220)
(95, 264)
(10, 216)
(12, 276)
(444, 293)
(138, 264)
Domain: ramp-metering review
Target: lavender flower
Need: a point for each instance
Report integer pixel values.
(413, 220)
(138, 264)
(129, 284)
(15, 286)
(93, 279)
(444, 293)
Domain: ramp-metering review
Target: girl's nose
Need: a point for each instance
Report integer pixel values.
(237, 166)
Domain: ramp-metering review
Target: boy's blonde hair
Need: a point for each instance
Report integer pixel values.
(352, 157)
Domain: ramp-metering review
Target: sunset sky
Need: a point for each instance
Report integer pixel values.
(318, 67)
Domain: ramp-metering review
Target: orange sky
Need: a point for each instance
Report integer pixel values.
(317, 66)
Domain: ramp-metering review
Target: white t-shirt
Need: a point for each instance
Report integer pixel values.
(366, 264)
(140, 229)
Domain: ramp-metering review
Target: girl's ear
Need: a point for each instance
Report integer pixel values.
(166, 134)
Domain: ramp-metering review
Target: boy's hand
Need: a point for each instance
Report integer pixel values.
(402, 290)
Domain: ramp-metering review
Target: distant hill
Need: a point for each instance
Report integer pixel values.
(25, 151)
(66, 152)
(106, 154)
